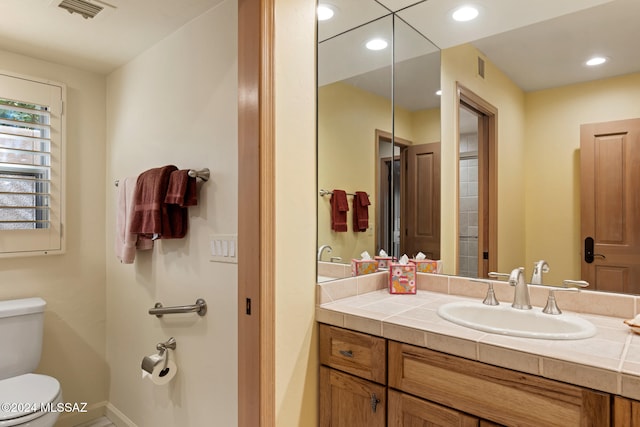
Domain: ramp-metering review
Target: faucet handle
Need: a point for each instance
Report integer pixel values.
(552, 306)
(496, 275)
(575, 283)
(490, 299)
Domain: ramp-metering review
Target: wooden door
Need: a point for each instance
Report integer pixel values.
(406, 410)
(421, 204)
(610, 205)
(349, 401)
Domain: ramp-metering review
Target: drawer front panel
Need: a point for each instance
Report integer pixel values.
(358, 354)
(496, 394)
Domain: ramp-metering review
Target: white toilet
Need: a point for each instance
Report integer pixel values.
(26, 399)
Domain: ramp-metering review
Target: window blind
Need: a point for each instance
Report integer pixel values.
(25, 165)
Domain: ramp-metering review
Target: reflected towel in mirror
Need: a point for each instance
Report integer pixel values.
(361, 211)
(339, 208)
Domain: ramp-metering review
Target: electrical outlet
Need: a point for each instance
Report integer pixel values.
(224, 248)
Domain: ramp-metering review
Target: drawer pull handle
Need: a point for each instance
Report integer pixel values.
(374, 402)
(346, 353)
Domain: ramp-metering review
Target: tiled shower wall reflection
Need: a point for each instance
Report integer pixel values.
(468, 228)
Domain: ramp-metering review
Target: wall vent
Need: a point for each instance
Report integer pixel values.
(81, 7)
(481, 67)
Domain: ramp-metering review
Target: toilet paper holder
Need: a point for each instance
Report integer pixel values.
(163, 346)
(149, 363)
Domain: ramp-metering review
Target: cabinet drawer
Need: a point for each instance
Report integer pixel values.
(358, 354)
(496, 394)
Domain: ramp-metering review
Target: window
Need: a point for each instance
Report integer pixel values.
(31, 162)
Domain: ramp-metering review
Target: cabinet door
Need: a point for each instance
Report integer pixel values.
(626, 412)
(405, 410)
(348, 401)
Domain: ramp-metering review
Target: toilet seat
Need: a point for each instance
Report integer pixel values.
(26, 390)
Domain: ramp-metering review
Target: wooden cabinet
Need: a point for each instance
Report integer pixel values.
(626, 412)
(353, 379)
(367, 381)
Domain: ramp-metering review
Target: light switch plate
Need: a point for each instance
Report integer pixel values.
(224, 248)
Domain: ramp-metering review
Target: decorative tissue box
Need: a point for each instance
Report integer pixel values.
(427, 265)
(384, 261)
(402, 278)
(363, 266)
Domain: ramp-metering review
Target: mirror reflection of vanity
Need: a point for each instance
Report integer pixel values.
(540, 110)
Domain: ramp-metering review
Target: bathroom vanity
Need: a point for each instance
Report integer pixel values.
(391, 360)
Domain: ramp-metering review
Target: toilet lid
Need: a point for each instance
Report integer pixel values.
(24, 394)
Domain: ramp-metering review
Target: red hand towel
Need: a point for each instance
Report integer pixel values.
(152, 217)
(182, 189)
(339, 208)
(361, 211)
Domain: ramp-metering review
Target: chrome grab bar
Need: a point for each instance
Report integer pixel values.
(199, 307)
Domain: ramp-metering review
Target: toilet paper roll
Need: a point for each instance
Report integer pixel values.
(162, 372)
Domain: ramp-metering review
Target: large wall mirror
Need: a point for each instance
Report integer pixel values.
(526, 60)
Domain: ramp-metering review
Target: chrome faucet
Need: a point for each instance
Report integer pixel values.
(538, 268)
(521, 295)
(321, 249)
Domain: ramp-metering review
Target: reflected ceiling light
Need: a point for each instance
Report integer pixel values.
(439, 92)
(376, 44)
(324, 12)
(465, 13)
(596, 60)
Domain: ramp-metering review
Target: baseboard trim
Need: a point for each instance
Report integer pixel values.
(71, 419)
(117, 417)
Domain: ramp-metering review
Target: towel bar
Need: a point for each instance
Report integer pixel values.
(199, 307)
(327, 192)
(203, 174)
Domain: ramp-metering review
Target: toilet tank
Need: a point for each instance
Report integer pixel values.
(21, 324)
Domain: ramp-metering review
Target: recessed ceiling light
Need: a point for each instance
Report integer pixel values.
(596, 60)
(439, 92)
(376, 44)
(465, 13)
(324, 12)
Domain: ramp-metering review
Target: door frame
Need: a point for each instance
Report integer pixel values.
(383, 136)
(488, 178)
(256, 214)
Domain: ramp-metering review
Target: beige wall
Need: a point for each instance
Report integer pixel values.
(177, 104)
(73, 284)
(425, 126)
(459, 65)
(553, 119)
(296, 338)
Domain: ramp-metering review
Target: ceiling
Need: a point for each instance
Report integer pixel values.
(539, 45)
(524, 38)
(121, 31)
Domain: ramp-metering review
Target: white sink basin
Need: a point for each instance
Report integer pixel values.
(505, 320)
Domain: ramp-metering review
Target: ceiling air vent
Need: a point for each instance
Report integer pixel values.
(82, 7)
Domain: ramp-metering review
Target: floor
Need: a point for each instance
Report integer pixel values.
(100, 422)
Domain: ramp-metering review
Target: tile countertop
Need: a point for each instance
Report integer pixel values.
(609, 361)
